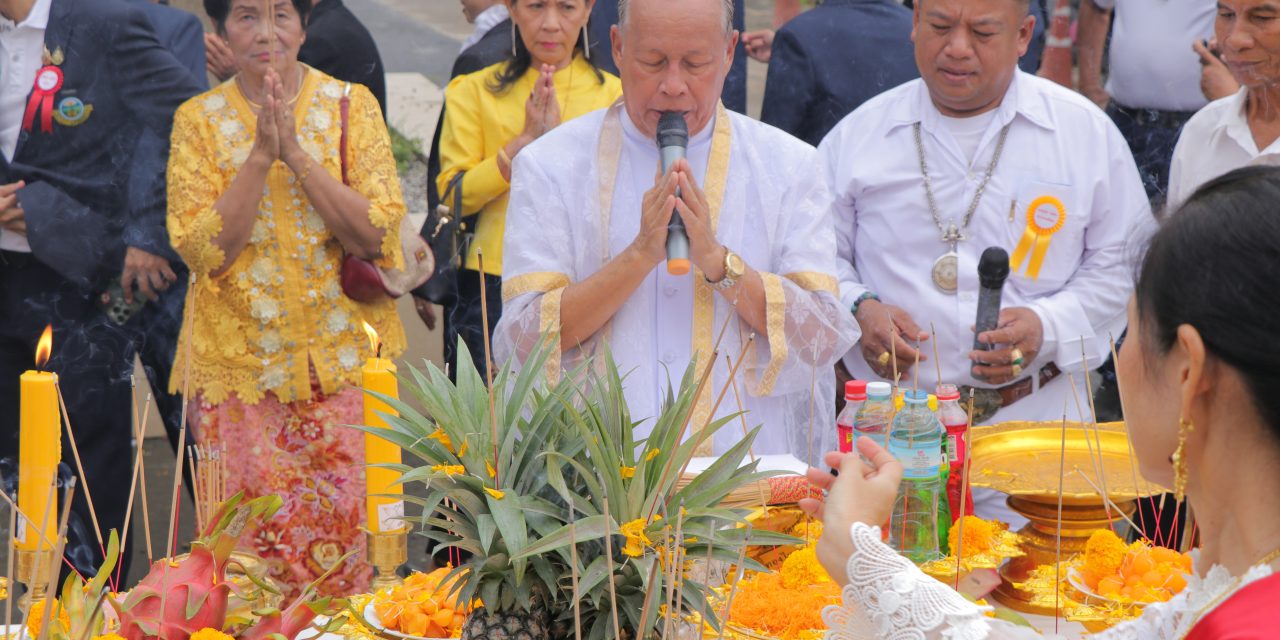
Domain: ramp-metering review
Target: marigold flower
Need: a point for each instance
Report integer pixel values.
(443, 438)
(449, 469)
(208, 633)
(802, 569)
(628, 472)
(497, 495)
(653, 453)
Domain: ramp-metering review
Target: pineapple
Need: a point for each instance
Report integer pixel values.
(561, 450)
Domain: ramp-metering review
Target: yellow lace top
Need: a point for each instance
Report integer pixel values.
(279, 307)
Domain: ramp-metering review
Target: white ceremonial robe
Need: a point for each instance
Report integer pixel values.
(571, 212)
(1060, 145)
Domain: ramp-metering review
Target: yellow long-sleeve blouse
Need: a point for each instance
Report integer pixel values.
(279, 307)
(479, 122)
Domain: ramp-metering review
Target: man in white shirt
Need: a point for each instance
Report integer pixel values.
(1153, 86)
(1242, 128)
(587, 227)
(484, 15)
(977, 154)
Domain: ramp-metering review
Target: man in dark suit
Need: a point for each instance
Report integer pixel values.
(98, 77)
(157, 325)
(339, 45)
(829, 60)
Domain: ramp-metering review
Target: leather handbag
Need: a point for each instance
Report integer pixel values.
(449, 238)
(364, 281)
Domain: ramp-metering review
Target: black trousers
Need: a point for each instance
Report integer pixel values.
(465, 319)
(93, 359)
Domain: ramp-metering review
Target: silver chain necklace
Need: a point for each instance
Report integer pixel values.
(946, 268)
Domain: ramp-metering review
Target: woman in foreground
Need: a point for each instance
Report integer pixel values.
(1201, 389)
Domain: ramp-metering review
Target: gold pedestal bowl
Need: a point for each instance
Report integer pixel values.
(1030, 462)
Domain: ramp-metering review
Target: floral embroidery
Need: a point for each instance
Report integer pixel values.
(347, 357)
(265, 309)
(339, 320)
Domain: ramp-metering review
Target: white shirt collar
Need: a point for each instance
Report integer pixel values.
(1019, 99)
(1237, 122)
(37, 18)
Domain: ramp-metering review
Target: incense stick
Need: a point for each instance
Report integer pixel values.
(75, 454)
(702, 433)
(702, 608)
(1107, 499)
(1093, 413)
(742, 416)
(677, 548)
(813, 383)
(964, 488)
(1088, 441)
(893, 350)
(608, 553)
(488, 364)
(647, 607)
(60, 543)
(739, 570)
(142, 476)
(1133, 461)
(573, 558)
(133, 489)
(915, 382)
(8, 573)
(937, 362)
(1057, 560)
(42, 535)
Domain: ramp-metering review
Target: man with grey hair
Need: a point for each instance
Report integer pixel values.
(605, 14)
(587, 228)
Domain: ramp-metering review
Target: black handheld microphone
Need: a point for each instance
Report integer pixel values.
(993, 270)
(673, 140)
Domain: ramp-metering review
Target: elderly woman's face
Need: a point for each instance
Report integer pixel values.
(248, 32)
(550, 28)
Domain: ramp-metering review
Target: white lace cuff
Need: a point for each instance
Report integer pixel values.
(889, 597)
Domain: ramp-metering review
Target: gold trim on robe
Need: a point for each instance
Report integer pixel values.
(549, 324)
(815, 281)
(540, 282)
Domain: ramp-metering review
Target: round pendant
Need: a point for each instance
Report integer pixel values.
(946, 272)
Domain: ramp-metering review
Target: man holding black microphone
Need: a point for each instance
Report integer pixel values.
(586, 250)
(975, 155)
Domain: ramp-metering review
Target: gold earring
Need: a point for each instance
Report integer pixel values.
(1180, 460)
(586, 43)
(513, 41)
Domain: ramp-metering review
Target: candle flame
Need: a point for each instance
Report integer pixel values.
(374, 342)
(44, 348)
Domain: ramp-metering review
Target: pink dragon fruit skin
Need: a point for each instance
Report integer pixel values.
(176, 599)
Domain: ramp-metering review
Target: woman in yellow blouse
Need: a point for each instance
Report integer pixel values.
(271, 348)
(492, 114)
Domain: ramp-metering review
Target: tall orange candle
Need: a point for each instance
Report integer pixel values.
(385, 507)
(39, 450)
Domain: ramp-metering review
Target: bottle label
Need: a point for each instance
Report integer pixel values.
(953, 452)
(918, 462)
(846, 438)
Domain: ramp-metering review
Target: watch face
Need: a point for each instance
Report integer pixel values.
(734, 265)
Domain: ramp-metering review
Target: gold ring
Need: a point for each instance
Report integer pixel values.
(1017, 370)
(1017, 357)
(883, 359)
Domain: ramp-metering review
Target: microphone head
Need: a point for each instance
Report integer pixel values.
(672, 130)
(993, 268)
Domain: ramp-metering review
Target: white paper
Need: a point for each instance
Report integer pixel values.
(391, 516)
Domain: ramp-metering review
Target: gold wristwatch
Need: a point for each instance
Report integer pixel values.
(734, 269)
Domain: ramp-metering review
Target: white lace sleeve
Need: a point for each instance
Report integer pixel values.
(889, 597)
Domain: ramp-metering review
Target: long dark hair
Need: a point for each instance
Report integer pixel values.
(515, 67)
(1215, 265)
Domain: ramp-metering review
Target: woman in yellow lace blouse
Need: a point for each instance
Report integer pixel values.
(271, 348)
(489, 117)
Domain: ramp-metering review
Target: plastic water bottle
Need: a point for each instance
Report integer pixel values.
(855, 395)
(915, 439)
(944, 479)
(955, 421)
(873, 417)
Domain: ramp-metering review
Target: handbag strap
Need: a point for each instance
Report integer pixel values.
(344, 111)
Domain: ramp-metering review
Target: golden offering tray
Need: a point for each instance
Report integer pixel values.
(1028, 461)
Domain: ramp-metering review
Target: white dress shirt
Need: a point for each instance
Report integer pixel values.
(1151, 62)
(20, 47)
(1216, 141)
(1060, 145)
(774, 215)
(485, 22)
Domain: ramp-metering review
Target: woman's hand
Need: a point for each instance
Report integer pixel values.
(541, 112)
(862, 493)
(286, 127)
(266, 142)
(551, 115)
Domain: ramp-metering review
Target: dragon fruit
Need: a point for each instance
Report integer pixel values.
(176, 599)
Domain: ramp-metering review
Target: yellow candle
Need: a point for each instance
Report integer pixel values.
(384, 508)
(39, 450)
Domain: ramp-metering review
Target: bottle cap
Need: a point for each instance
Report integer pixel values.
(855, 390)
(933, 403)
(916, 396)
(880, 390)
(948, 392)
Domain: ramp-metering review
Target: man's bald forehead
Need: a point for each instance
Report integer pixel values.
(1025, 5)
(726, 8)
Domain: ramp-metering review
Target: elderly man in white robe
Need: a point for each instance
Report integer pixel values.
(977, 154)
(587, 229)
